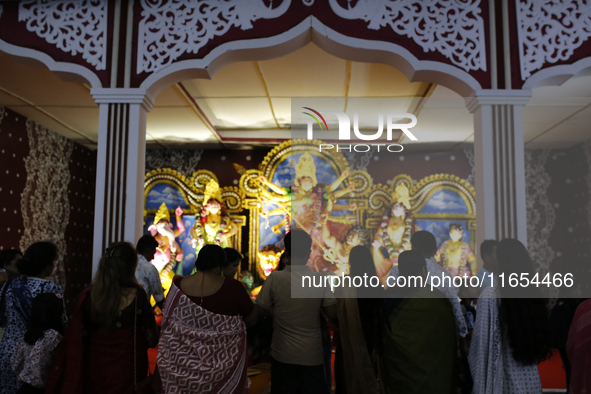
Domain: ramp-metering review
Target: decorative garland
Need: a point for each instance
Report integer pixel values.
(218, 237)
(388, 244)
(463, 257)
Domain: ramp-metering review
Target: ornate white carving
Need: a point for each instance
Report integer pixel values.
(550, 31)
(452, 28)
(168, 29)
(74, 26)
(44, 202)
(540, 212)
(184, 161)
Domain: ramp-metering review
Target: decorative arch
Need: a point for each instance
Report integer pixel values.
(67, 71)
(557, 75)
(313, 30)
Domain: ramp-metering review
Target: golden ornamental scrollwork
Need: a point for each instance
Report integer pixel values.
(194, 189)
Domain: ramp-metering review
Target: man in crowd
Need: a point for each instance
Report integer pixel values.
(296, 348)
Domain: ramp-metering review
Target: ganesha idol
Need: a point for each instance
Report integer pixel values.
(169, 251)
(268, 261)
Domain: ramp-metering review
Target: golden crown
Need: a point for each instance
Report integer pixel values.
(212, 192)
(162, 214)
(401, 195)
(306, 168)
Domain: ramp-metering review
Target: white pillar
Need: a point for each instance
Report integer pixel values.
(119, 196)
(499, 164)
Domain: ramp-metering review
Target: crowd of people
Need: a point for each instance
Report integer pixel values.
(411, 339)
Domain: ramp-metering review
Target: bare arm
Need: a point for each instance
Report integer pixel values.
(251, 319)
(335, 185)
(179, 222)
(272, 186)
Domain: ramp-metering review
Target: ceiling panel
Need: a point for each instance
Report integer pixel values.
(307, 72)
(186, 127)
(229, 113)
(234, 80)
(381, 80)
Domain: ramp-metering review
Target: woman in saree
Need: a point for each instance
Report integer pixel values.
(578, 348)
(18, 295)
(512, 333)
(356, 337)
(105, 348)
(203, 345)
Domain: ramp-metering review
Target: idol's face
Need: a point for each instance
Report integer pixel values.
(269, 261)
(214, 208)
(455, 234)
(398, 209)
(163, 224)
(306, 183)
(353, 238)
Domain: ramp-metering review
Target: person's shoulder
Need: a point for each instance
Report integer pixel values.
(233, 284)
(52, 336)
(54, 286)
(488, 296)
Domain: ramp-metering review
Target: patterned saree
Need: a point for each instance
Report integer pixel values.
(200, 351)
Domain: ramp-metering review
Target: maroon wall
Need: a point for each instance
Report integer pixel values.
(14, 148)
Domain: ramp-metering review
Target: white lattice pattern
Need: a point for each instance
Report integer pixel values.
(540, 212)
(74, 26)
(44, 202)
(452, 28)
(168, 29)
(549, 31)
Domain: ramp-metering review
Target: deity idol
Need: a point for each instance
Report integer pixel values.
(455, 255)
(338, 252)
(394, 232)
(168, 251)
(307, 199)
(213, 225)
(269, 257)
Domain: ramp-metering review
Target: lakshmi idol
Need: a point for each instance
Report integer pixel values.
(394, 232)
(213, 224)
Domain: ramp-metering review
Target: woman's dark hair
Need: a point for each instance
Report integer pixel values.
(116, 272)
(46, 313)
(232, 255)
(523, 320)
(411, 263)
(6, 256)
(424, 242)
(210, 256)
(38, 258)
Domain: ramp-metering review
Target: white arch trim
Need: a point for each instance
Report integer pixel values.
(67, 71)
(557, 75)
(337, 44)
